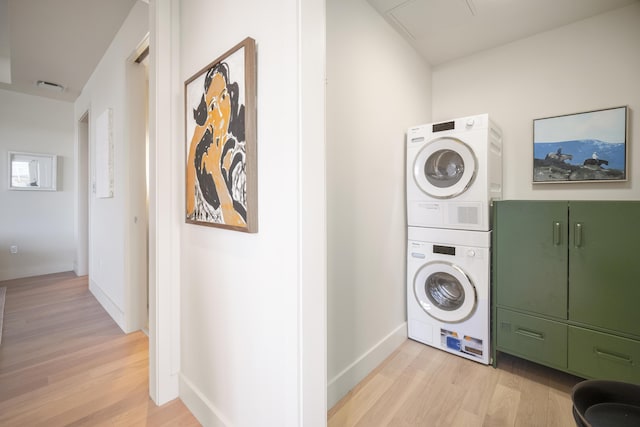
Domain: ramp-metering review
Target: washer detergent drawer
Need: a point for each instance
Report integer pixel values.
(597, 355)
(540, 340)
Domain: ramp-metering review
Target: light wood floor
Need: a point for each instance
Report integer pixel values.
(419, 385)
(64, 362)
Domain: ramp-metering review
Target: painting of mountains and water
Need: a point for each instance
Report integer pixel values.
(581, 147)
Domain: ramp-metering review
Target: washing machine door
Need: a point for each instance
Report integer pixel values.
(445, 168)
(445, 292)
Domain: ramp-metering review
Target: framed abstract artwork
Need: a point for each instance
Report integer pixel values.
(220, 141)
(581, 147)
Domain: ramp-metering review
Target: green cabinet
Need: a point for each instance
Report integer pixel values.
(531, 337)
(601, 355)
(604, 265)
(566, 285)
(531, 245)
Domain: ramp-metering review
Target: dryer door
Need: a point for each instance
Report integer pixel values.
(445, 168)
(445, 292)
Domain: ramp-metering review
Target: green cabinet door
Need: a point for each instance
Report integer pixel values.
(604, 265)
(530, 255)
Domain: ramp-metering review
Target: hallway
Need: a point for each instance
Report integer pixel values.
(63, 361)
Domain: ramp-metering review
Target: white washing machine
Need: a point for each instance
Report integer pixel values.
(448, 290)
(454, 171)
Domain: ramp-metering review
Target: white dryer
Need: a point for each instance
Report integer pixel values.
(454, 171)
(448, 290)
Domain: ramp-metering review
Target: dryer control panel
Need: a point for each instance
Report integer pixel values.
(440, 127)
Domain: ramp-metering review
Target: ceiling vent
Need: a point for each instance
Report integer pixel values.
(50, 86)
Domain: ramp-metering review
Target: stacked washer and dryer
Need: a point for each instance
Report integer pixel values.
(454, 171)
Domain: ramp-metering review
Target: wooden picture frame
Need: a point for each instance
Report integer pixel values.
(220, 138)
(581, 147)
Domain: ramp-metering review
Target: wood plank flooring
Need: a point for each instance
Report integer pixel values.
(64, 361)
(419, 385)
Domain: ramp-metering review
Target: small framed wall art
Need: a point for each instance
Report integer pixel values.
(220, 128)
(104, 155)
(32, 171)
(581, 147)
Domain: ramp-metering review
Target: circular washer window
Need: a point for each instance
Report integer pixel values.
(445, 168)
(445, 292)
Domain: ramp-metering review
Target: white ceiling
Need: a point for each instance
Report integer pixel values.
(59, 41)
(443, 30)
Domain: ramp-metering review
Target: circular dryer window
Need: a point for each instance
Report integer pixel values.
(445, 292)
(445, 168)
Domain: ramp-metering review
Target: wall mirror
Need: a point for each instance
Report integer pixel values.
(30, 171)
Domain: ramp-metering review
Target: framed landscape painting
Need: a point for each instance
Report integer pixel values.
(220, 142)
(581, 147)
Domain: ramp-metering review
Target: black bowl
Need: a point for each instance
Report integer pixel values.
(614, 401)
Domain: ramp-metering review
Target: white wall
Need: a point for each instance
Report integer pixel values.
(40, 223)
(377, 88)
(112, 219)
(244, 360)
(588, 65)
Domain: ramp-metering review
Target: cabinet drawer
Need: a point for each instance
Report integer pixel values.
(533, 338)
(603, 356)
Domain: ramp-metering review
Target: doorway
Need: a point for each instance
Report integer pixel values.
(137, 77)
(81, 267)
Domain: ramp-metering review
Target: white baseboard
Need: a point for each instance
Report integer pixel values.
(107, 303)
(79, 271)
(340, 385)
(40, 270)
(204, 411)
